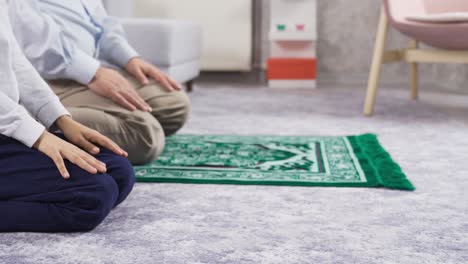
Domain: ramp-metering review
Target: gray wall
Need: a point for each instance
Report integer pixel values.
(347, 30)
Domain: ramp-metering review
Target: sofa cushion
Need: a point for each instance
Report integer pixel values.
(164, 42)
(183, 72)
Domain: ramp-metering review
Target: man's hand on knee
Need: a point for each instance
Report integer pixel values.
(111, 84)
(141, 70)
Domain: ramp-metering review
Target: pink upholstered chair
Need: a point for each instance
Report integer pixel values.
(450, 39)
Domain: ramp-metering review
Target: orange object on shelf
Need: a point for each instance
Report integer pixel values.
(292, 68)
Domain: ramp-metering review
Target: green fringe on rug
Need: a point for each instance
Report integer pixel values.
(377, 164)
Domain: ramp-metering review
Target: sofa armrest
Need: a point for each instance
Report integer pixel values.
(164, 42)
(119, 8)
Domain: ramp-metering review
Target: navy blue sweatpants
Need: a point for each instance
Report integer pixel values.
(35, 198)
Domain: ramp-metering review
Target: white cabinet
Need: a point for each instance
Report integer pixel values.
(293, 20)
(293, 37)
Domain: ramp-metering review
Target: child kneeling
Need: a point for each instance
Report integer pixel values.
(50, 182)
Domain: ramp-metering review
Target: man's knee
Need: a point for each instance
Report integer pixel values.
(148, 139)
(182, 106)
(151, 147)
(172, 111)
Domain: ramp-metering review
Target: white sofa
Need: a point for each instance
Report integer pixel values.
(175, 46)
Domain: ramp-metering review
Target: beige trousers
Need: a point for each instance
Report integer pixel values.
(141, 134)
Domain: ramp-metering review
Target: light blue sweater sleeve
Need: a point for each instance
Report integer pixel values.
(46, 46)
(113, 44)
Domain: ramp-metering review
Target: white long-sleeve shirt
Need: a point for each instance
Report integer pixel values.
(69, 39)
(22, 90)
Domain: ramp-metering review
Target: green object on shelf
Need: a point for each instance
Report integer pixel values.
(281, 27)
(353, 161)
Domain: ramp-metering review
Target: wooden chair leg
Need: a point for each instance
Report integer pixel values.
(377, 62)
(189, 85)
(414, 78)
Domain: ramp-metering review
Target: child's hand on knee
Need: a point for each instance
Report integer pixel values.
(58, 149)
(87, 138)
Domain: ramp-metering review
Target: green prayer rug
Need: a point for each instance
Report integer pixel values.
(352, 161)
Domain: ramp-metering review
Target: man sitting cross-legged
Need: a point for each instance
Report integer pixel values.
(98, 76)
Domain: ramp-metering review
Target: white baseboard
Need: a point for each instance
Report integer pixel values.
(289, 84)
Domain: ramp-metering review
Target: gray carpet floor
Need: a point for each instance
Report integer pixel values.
(170, 223)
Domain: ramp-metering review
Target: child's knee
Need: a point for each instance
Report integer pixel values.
(123, 173)
(93, 203)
